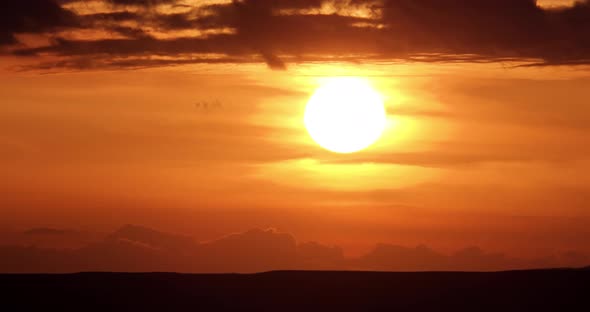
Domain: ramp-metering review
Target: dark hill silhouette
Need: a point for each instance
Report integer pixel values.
(541, 290)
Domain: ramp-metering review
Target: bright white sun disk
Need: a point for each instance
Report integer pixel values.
(345, 115)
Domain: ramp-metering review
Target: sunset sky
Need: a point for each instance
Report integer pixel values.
(187, 116)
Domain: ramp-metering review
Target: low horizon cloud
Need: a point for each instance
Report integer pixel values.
(139, 249)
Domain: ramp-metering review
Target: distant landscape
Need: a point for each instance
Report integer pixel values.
(548, 290)
(140, 249)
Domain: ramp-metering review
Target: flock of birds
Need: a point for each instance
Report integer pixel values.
(208, 106)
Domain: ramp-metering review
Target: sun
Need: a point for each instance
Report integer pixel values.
(345, 115)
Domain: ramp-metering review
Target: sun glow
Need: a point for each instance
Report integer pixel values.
(345, 115)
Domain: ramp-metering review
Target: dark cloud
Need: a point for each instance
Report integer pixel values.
(135, 248)
(31, 16)
(84, 63)
(398, 30)
(257, 250)
(50, 238)
(120, 16)
(463, 26)
(150, 237)
(313, 255)
(141, 2)
(140, 46)
(490, 28)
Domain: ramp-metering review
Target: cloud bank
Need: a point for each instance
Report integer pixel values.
(140, 249)
(136, 33)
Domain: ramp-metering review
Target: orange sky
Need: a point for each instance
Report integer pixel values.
(475, 153)
(100, 149)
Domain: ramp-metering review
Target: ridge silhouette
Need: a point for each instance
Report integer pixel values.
(534, 290)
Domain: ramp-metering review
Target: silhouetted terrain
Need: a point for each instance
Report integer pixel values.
(541, 290)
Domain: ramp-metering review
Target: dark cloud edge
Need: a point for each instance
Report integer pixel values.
(515, 31)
